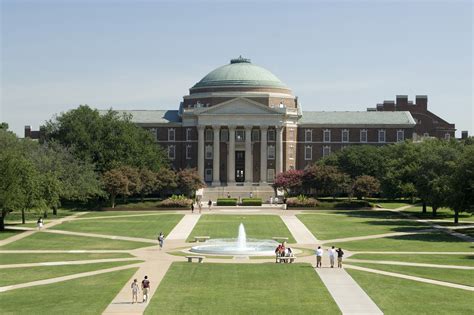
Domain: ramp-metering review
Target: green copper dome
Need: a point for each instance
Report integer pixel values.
(240, 72)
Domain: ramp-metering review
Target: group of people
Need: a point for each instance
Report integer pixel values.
(145, 287)
(332, 252)
(199, 206)
(284, 251)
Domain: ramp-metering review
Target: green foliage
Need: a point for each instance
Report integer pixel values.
(116, 183)
(365, 186)
(302, 201)
(251, 201)
(189, 181)
(325, 179)
(176, 202)
(226, 201)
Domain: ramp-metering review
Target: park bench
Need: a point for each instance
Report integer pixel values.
(285, 259)
(201, 238)
(280, 238)
(198, 258)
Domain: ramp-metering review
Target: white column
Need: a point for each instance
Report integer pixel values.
(231, 156)
(248, 155)
(216, 161)
(200, 165)
(279, 150)
(263, 154)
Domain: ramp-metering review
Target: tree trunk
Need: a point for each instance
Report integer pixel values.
(2, 223)
(112, 199)
(45, 214)
(456, 216)
(55, 210)
(23, 221)
(424, 207)
(142, 196)
(434, 210)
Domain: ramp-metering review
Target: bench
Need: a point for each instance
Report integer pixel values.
(198, 258)
(285, 259)
(280, 238)
(201, 238)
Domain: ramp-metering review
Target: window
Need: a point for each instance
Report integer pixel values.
(291, 152)
(255, 135)
(291, 134)
(208, 151)
(209, 135)
(308, 153)
(188, 134)
(308, 135)
(426, 134)
(224, 135)
(382, 135)
(447, 136)
(208, 174)
(188, 152)
(271, 152)
(171, 134)
(345, 135)
(400, 135)
(270, 175)
(239, 135)
(326, 150)
(363, 135)
(271, 135)
(154, 132)
(171, 152)
(327, 135)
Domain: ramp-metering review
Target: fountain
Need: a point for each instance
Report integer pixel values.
(239, 246)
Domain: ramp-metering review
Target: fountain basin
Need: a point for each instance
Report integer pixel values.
(252, 247)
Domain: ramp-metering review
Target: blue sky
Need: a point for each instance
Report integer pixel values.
(346, 55)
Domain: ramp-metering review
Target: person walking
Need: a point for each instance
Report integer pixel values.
(192, 207)
(161, 240)
(134, 291)
(209, 204)
(340, 253)
(200, 206)
(332, 255)
(39, 223)
(145, 288)
(319, 257)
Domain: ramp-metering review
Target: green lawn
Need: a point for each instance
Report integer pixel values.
(44, 240)
(7, 233)
(11, 276)
(88, 295)
(400, 296)
(465, 277)
(25, 258)
(349, 223)
(422, 242)
(241, 289)
(15, 216)
(94, 214)
(442, 213)
(391, 205)
(227, 226)
(144, 226)
(459, 260)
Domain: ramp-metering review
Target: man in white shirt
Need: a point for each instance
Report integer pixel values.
(319, 257)
(332, 255)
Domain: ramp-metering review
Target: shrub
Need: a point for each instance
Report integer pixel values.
(227, 201)
(354, 204)
(302, 202)
(251, 201)
(175, 202)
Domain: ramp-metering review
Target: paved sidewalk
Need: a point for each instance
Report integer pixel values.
(299, 231)
(398, 275)
(348, 295)
(182, 230)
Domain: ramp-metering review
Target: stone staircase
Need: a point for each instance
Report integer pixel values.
(263, 191)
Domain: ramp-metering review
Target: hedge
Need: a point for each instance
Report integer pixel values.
(175, 203)
(354, 204)
(251, 201)
(305, 202)
(227, 201)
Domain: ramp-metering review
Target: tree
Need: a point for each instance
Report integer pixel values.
(290, 181)
(324, 179)
(189, 181)
(133, 177)
(365, 186)
(115, 183)
(148, 181)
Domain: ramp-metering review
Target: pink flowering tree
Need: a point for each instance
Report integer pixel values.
(290, 181)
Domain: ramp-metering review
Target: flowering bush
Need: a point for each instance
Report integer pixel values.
(302, 202)
(175, 202)
(290, 181)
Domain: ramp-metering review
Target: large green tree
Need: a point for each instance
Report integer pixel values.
(325, 179)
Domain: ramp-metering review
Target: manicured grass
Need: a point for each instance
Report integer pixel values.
(241, 289)
(227, 226)
(7, 233)
(33, 215)
(401, 296)
(25, 258)
(422, 242)
(457, 276)
(391, 205)
(144, 226)
(11, 276)
(44, 240)
(94, 214)
(356, 223)
(469, 232)
(442, 213)
(459, 260)
(88, 295)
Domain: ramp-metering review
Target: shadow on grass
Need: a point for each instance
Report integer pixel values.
(402, 226)
(375, 214)
(429, 237)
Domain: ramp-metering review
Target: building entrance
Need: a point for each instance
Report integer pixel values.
(240, 166)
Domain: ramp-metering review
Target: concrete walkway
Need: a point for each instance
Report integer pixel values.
(299, 231)
(182, 230)
(402, 276)
(349, 296)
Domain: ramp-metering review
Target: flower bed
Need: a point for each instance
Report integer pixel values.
(302, 202)
(175, 202)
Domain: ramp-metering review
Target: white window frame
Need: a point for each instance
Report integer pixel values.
(363, 132)
(447, 136)
(310, 137)
(291, 152)
(208, 152)
(208, 174)
(346, 132)
(400, 135)
(188, 152)
(209, 135)
(426, 134)
(308, 149)
(224, 135)
(384, 138)
(255, 135)
(328, 133)
(271, 135)
(154, 132)
(171, 134)
(271, 152)
(240, 135)
(270, 175)
(188, 134)
(326, 150)
(171, 152)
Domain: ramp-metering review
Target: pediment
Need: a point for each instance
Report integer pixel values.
(239, 106)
